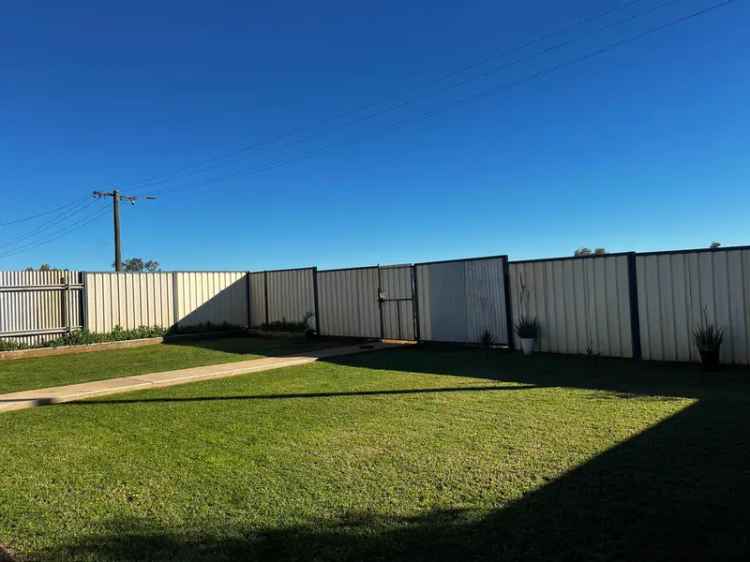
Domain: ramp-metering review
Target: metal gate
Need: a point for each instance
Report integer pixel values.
(398, 320)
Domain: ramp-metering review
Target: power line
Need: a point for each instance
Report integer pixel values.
(41, 229)
(252, 147)
(508, 85)
(42, 214)
(58, 234)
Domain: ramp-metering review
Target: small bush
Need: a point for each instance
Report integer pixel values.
(708, 336)
(487, 340)
(527, 327)
(84, 337)
(284, 326)
(9, 345)
(203, 328)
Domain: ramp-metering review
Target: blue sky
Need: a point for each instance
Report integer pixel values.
(345, 133)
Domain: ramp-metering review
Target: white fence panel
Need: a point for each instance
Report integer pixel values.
(291, 294)
(674, 288)
(128, 300)
(581, 304)
(32, 301)
(459, 300)
(210, 296)
(188, 298)
(348, 302)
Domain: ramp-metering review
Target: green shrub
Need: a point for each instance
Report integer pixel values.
(203, 327)
(84, 337)
(527, 327)
(9, 345)
(284, 326)
(708, 336)
(487, 340)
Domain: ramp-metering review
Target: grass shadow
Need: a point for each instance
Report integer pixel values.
(623, 376)
(677, 491)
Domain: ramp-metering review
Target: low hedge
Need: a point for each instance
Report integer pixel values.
(84, 337)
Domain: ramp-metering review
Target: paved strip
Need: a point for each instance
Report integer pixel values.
(55, 395)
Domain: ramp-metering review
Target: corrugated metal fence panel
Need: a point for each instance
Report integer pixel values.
(348, 303)
(128, 300)
(257, 299)
(441, 289)
(291, 295)
(38, 309)
(580, 304)
(485, 299)
(398, 315)
(459, 300)
(210, 296)
(674, 289)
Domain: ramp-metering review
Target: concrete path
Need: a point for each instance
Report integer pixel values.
(45, 396)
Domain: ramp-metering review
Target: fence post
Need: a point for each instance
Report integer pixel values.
(508, 306)
(265, 289)
(315, 297)
(248, 298)
(635, 319)
(64, 304)
(175, 300)
(415, 296)
(380, 303)
(82, 301)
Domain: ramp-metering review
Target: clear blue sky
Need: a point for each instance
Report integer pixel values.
(345, 133)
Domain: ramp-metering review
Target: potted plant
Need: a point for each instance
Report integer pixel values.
(708, 338)
(527, 327)
(527, 330)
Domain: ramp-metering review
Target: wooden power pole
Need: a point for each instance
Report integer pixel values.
(116, 198)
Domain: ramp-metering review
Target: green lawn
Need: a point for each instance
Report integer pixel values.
(415, 454)
(42, 372)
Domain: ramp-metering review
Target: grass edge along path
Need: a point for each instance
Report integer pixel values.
(54, 371)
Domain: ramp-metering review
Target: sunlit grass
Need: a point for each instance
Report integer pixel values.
(410, 454)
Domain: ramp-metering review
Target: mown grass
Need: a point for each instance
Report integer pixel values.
(414, 454)
(43, 372)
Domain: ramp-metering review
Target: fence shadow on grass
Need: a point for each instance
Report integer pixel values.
(623, 376)
(678, 491)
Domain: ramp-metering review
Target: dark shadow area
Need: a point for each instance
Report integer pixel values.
(678, 491)
(624, 376)
(305, 395)
(247, 344)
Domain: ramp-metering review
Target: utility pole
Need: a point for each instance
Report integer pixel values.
(116, 198)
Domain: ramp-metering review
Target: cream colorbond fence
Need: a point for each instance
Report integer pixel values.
(130, 300)
(458, 300)
(623, 305)
(582, 304)
(348, 302)
(674, 288)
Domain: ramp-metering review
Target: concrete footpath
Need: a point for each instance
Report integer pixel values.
(55, 395)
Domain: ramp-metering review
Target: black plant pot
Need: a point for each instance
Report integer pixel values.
(709, 359)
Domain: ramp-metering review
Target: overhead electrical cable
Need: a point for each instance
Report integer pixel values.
(495, 89)
(42, 214)
(58, 234)
(199, 168)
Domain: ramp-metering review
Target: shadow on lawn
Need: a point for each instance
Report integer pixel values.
(291, 396)
(678, 491)
(624, 376)
(246, 344)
